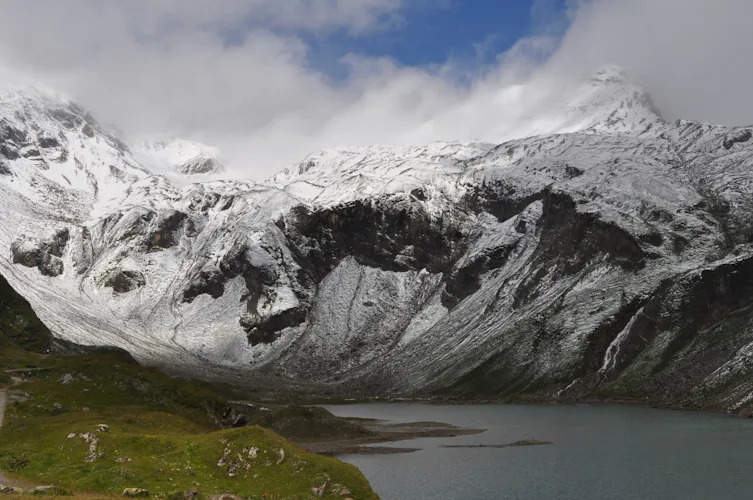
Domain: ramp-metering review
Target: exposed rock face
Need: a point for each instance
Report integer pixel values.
(44, 254)
(737, 137)
(702, 322)
(611, 258)
(165, 230)
(200, 165)
(396, 233)
(265, 330)
(208, 281)
(124, 281)
(46, 140)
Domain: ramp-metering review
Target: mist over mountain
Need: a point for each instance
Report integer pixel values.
(246, 77)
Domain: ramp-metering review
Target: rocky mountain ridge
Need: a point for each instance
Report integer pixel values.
(607, 254)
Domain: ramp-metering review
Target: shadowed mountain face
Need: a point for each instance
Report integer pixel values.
(609, 254)
(19, 324)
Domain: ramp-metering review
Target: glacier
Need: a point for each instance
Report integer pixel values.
(600, 251)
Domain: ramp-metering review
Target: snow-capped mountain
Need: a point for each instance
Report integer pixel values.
(179, 155)
(608, 252)
(55, 153)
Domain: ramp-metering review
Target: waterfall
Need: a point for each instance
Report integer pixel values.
(610, 358)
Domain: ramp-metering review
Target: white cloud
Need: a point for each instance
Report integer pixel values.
(692, 55)
(236, 73)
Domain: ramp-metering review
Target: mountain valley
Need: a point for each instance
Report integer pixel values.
(604, 253)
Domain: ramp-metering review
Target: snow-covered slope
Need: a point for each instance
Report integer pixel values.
(56, 154)
(179, 156)
(606, 252)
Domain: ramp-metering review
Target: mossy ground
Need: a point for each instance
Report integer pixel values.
(13, 357)
(163, 435)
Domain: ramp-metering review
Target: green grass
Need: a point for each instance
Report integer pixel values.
(171, 430)
(304, 423)
(12, 356)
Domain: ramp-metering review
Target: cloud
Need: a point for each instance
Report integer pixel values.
(237, 73)
(692, 55)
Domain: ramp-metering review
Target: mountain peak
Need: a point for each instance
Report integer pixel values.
(17, 86)
(54, 150)
(180, 156)
(610, 74)
(610, 102)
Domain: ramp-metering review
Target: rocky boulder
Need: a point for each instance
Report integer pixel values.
(166, 229)
(124, 280)
(42, 253)
(135, 492)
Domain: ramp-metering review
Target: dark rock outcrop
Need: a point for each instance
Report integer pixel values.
(737, 137)
(465, 280)
(265, 330)
(203, 202)
(704, 318)
(44, 254)
(18, 322)
(231, 418)
(570, 240)
(394, 234)
(165, 230)
(503, 199)
(260, 280)
(208, 281)
(49, 143)
(124, 281)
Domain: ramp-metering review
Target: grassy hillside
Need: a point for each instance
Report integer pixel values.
(97, 424)
(161, 434)
(305, 423)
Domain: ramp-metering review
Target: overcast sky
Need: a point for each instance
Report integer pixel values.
(268, 81)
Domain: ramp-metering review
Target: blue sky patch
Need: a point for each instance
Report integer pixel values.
(472, 30)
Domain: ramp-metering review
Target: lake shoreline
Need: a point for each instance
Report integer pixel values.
(643, 403)
(385, 432)
(388, 432)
